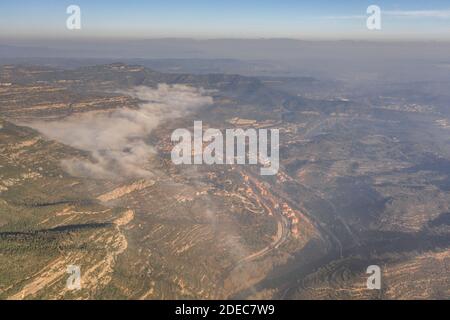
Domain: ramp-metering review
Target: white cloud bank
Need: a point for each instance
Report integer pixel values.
(117, 139)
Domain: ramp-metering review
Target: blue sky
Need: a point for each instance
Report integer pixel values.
(226, 19)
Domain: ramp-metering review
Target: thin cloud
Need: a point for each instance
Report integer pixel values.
(443, 14)
(439, 14)
(351, 17)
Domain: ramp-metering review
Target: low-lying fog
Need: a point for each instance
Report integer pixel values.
(118, 140)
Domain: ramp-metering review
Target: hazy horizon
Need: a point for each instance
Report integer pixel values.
(321, 20)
